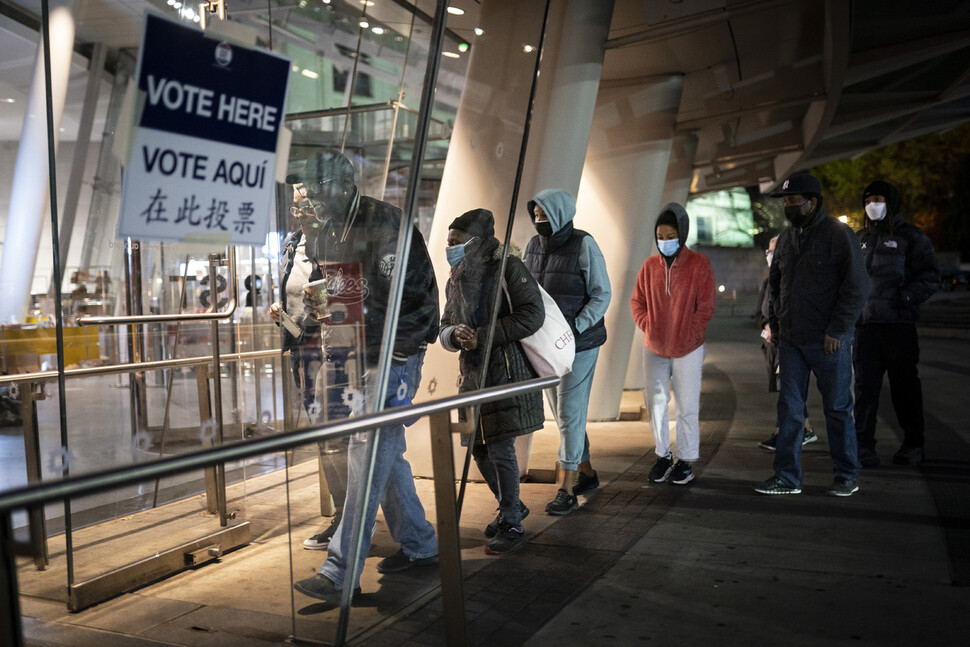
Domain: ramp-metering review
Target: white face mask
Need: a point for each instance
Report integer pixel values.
(876, 210)
(768, 257)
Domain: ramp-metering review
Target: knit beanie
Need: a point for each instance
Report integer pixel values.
(477, 222)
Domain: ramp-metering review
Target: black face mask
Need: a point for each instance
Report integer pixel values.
(801, 215)
(544, 228)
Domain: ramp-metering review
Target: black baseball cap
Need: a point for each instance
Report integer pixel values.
(798, 184)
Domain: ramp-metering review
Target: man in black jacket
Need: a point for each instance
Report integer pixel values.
(354, 250)
(904, 273)
(817, 286)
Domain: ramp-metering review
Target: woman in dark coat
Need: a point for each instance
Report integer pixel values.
(476, 257)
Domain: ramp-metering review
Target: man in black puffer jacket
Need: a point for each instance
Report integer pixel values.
(903, 273)
(568, 263)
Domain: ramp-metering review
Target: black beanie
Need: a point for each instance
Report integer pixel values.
(477, 222)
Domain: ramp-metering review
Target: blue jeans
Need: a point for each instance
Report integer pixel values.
(500, 467)
(392, 488)
(569, 402)
(833, 374)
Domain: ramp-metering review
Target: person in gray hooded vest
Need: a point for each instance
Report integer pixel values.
(568, 263)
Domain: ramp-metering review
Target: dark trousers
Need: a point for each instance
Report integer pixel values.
(499, 465)
(893, 349)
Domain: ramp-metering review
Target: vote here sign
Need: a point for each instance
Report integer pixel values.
(204, 146)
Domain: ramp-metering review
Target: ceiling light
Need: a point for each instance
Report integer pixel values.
(528, 48)
(367, 3)
(310, 74)
(378, 30)
(479, 31)
(8, 100)
(364, 24)
(463, 47)
(455, 11)
(450, 54)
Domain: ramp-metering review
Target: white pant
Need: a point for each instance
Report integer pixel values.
(684, 373)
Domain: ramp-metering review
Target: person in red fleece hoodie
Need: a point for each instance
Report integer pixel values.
(673, 301)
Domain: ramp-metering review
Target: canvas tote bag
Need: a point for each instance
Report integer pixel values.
(551, 349)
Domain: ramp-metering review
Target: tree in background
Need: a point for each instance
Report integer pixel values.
(927, 172)
(956, 222)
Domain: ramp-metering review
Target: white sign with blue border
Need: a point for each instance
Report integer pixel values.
(204, 147)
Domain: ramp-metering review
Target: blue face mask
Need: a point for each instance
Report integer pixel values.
(668, 247)
(455, 253)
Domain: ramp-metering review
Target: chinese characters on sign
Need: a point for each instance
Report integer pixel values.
(203, 159)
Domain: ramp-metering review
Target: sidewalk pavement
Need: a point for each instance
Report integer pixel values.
(716, 563)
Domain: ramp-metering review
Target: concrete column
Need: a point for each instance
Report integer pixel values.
(29, 194)
(481, 165)
(623, 184)
(572, 63)
(680, 175)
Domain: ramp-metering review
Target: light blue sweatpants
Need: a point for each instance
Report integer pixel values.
(569, 402)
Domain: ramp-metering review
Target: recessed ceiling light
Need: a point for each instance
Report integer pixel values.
(310, 74)
(450, 54)
(364, 24)
(378, 30)
(479, 31)
(527, 48)
(455, 11)
(8, 100)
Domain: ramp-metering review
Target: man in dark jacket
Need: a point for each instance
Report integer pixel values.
(817, 286)
(904, 273)
(354, 250)
(568, 263)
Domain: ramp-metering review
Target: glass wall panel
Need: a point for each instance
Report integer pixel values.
(331, 319)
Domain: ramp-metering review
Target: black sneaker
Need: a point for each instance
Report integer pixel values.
(586, 483)
(682, 474)
(564, 503)
(321, 541)
(661, 469)
(908, 456)
(775, 485)
(321, 587)
(771, 444)
(842, 486)
(492, 528)
(400, 561)
(507, 539)
(867, 456)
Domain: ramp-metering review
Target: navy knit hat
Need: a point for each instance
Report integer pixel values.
(477, 222)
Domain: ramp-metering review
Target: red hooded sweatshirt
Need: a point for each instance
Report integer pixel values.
(673, 304)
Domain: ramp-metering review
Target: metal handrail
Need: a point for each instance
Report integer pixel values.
(211, 315)
(115, 369)
(110, 479)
